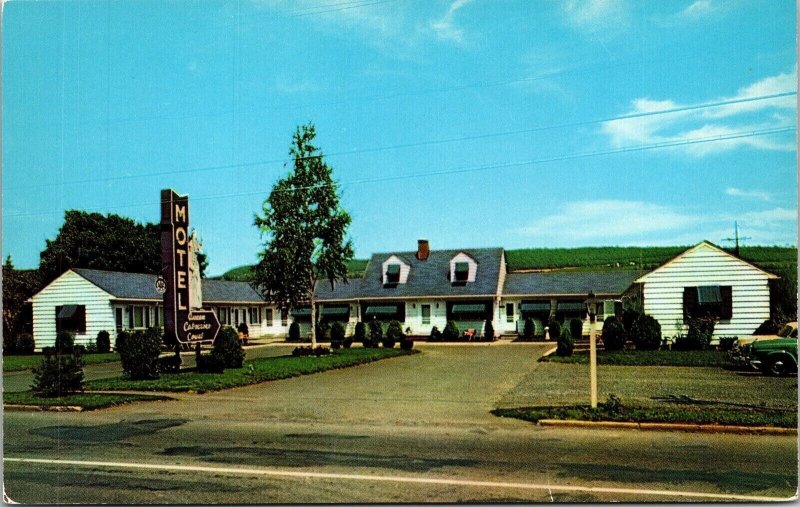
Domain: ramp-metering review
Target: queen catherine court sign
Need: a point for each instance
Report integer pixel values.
(184, 318)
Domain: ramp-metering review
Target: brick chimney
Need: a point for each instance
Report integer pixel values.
(423, 249)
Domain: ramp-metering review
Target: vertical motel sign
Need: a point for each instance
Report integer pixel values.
(181, 321)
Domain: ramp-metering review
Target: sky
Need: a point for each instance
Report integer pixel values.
(471, 123)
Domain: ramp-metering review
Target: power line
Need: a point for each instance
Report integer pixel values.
(420, 143)
(505, 165)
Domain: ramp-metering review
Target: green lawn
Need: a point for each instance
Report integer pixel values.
(694, 414)
(18, 363)
(710, 358)
(253, 372)
(89, 401)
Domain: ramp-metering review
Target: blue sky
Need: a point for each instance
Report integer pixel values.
(478, 108)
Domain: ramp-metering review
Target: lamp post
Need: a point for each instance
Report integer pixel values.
(591, 306)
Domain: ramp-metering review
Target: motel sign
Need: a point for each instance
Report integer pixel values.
(184, 319)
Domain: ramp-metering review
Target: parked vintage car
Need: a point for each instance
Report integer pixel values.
(789, 330)
(775, 357)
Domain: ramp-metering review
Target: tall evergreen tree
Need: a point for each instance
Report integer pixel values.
(304, 229)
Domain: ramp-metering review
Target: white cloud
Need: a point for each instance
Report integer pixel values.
(597, 17)
(698, 9)
(445, 28)
(702, 123)
(591, 220)
(748, 194)
(642, 223)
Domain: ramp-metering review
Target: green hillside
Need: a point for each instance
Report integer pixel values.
(355, 269)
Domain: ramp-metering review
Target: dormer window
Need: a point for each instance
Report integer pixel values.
(393, 273)
(461, 272)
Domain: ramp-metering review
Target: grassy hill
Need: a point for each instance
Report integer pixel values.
(355, 269)
(782, 260)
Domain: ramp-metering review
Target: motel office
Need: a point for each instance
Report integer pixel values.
(426, 288)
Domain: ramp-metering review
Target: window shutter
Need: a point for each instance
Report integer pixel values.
(727, 302)
(689, 302)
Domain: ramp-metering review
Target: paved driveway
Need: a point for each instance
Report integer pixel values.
(423, 417)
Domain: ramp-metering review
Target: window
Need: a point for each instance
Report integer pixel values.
(236, 316)
(146, 316)
(708, 301)
(255, 315)
(138, 316)
(608, 308)
(129, 312)
(461, 272)
(118, 318)
(71, 318)
(222, 315)
(393, 273)
(268, 317)
(284, 317)
(426, 313)
(509, 312)
(156, 316)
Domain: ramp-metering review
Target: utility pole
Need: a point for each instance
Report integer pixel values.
(736, 237)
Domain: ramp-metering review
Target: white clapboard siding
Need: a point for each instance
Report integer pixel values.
(71, 289)
(706, 264)
(405, 268)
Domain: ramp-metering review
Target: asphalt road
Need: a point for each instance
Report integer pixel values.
(410, 429)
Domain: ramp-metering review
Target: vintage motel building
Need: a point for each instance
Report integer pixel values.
(426, 288)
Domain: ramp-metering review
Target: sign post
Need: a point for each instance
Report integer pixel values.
(182, 323)
(591, 305)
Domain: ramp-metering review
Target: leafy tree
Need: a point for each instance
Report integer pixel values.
(18, 285)
(305, 230)
(111, 242)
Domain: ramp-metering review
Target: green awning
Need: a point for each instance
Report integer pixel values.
(393, 269)
(67, 311)
(462, 267)
(571, 306)
(709, 295)
(302, 312)
(335, 310)
(535, 307)
(473, 308)
(381, 310)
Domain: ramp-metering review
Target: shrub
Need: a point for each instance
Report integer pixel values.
(554, 328)
(576, 328)
(436, 335)
(91, 348)
(25, 344)
(701, 329)
(394, 333)
(375, 333)
(170, 364)
(337, 335)
(209, 363)
(450, 333)
(726, 343)
(529, 330)
(294, 332)
(406, 343)
(628, 318)
(323, 330)
(9, 344)
(361, 333)
(121, 340)
(103, 342)
(348, 342)
(613, 334)
(139, 354)
(228, 348)
(58, 374)
(65, 341)
(565, 343)
(646, 333)
(613, 404)
(488, 331)
(81, 349)
(320, 350)
(769, 326)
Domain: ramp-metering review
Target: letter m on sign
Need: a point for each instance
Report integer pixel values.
(180, 213)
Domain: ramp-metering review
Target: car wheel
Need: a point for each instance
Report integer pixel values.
(777, 366)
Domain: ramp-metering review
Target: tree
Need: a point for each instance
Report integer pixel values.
(111, 242)
(304, 229)
(18, 285)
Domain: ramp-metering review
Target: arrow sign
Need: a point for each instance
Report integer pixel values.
(201, 325)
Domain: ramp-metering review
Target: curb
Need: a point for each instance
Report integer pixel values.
(42, 408)
(652, 426)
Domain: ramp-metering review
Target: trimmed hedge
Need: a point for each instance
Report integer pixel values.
(228, 348)
(565, 343)
(58, 374)
(394, 333)
(613, 334)
(25, 345)
(65, 342)
(103, 342)
(646, 333)
(450, 333)
(139, 353)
